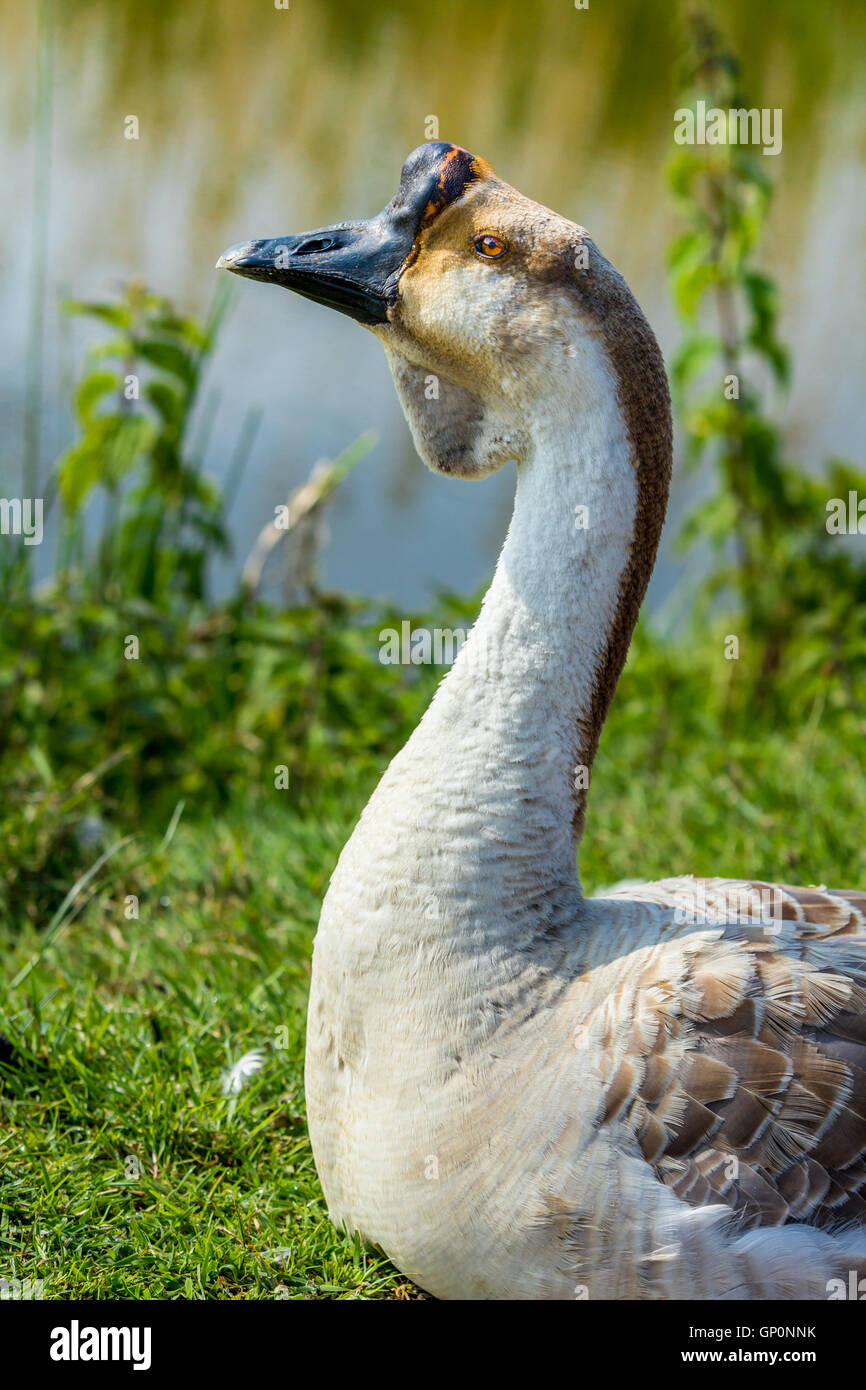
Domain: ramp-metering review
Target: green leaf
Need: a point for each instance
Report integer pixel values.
(78, 472)
(93, 388)
(167, 401)
(683, 169)
(116, 314)
(121, 348)
(691, 285)
(168, 357)
(713, 520)
(133, 437)
(687, 249)
(693, 356)
(109, 448)
(40, 761)
(181, 327)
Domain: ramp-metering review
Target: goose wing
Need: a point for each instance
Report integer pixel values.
(741, 1071)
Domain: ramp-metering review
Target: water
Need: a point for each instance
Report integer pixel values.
(257, 122)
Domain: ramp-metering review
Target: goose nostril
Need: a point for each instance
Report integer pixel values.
(314, 244)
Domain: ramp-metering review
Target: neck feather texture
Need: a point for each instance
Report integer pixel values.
(516, 717)
(475, 824)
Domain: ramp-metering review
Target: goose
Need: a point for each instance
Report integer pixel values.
(516, 1090)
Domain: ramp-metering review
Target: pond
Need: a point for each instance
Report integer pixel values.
(256, 120)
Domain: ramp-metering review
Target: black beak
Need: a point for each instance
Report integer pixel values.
(356, 266)
(353, 267)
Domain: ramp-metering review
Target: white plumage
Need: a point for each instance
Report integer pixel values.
(514, 1090)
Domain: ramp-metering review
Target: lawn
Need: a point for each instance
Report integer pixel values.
(178, 775)
(128, 1173)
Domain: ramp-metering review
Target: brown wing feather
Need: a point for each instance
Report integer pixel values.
(745, 1080)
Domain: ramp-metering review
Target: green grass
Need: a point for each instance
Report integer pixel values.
(127, 1172)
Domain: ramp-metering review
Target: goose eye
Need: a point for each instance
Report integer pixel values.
(490, 247)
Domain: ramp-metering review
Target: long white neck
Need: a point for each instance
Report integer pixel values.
(487, 782)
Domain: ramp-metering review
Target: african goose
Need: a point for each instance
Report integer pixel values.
(516, 1091)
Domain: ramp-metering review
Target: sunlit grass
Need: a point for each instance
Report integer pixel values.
(128, 1173)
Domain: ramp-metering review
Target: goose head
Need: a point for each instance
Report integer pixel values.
(492, 310)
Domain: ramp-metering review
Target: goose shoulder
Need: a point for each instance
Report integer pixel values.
(736, 1061)
(609, 1092)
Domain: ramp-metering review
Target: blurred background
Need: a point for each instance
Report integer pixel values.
(257, 121)
(193, 710)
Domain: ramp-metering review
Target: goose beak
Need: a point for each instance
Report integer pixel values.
(353, 267)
